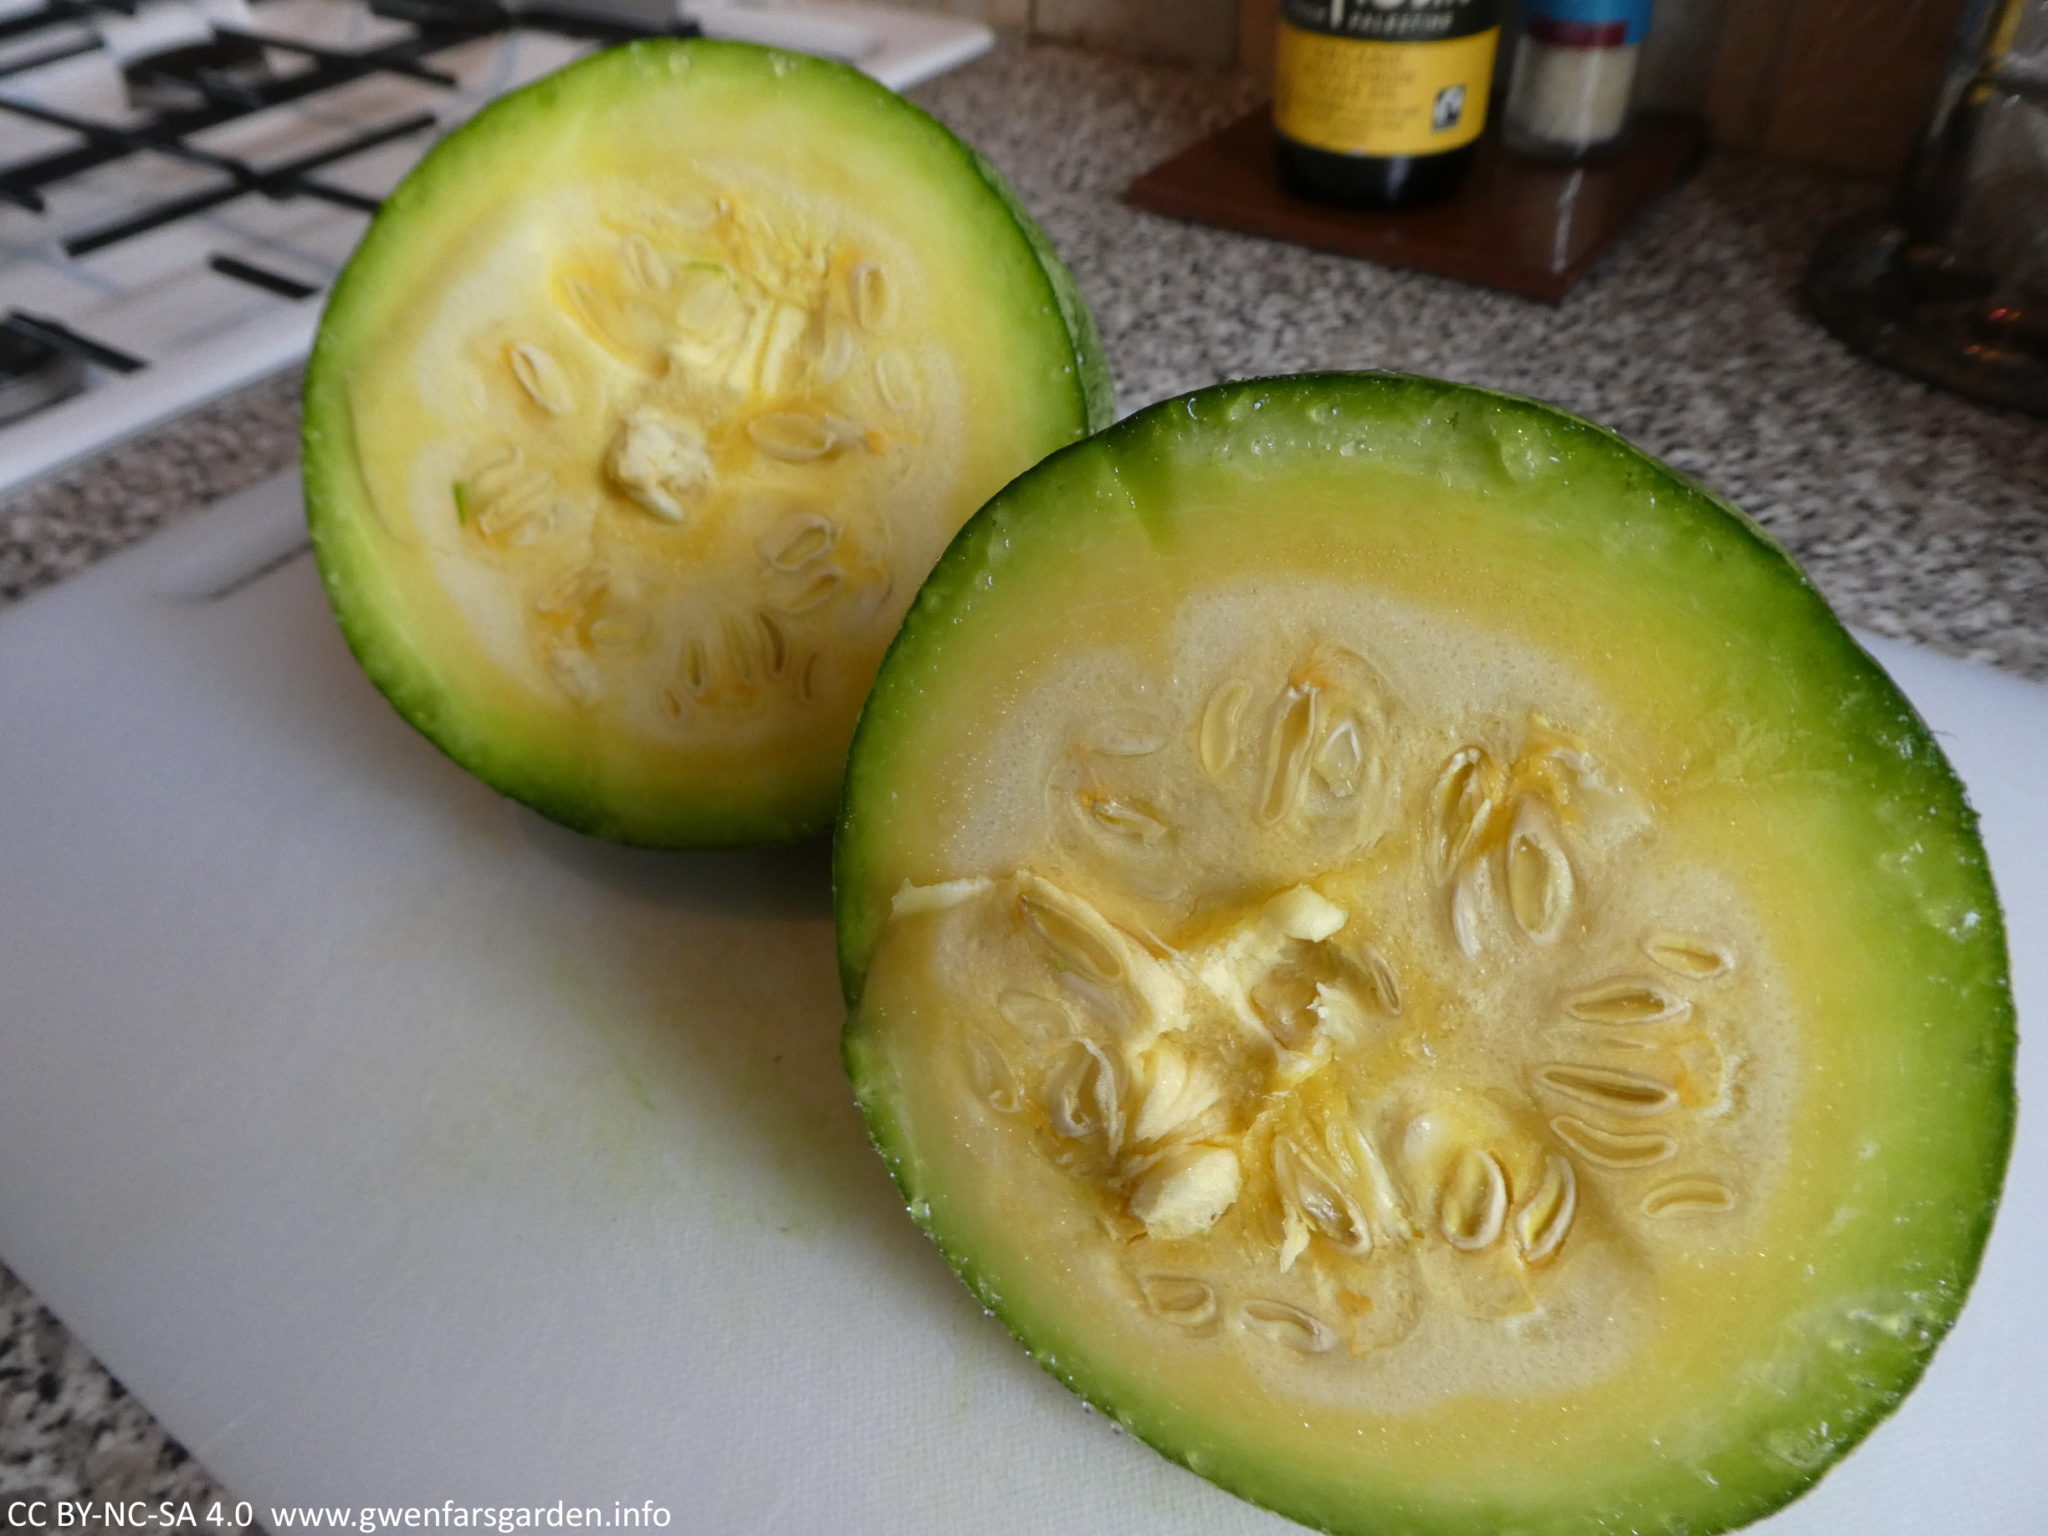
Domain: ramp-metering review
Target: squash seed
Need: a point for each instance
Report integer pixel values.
(1627, 1001)
(541, 377)
(1609, 1088)
(1216, 739)
(896, 382)
(1545, 1218)
(990, 1074)
(1182, 1300)
(1126, 738)
(874, 296)
(1307, 1188)
(1291, 1327)
(1084, 1094)
(1292, 739)
(1122, 821)
(1690, 955)
(1466, 796)
(817, 587)
(1340, 763)
(1696, 1195)
(639, 257)
(1078, 937)
(1539, 877)
(1614, 1149)
(795, 437)
(1473, 1207)
(1039, 1018)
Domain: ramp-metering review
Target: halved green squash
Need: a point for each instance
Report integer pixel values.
(1404, 952)
(644, 406)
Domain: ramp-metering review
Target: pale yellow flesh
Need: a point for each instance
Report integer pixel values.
(657, 455)
(1519, 1136)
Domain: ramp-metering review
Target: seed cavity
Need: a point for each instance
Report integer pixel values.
(1084, 1094)
(1078, 937)
(1695, 1195)
(1690, 955)
(1610, 1088)
(512, 522)
(1613, 1149)
(1473, 1208)
(795, 437)
(1287, 1326)
(1122, 738)
(1292, 741)
(1545, 1218)
(541, 377)
(1182, 1300)
(1186, 1192)
(817, 587)
(1309, 1192)
(1539, 878)
(1340, 763)
(774, 647)
(1380, 980)
(1468, 898)
(1626, 1001)
(499, 472)
(1125, 822)
(807, 679)
(874, 296)
(1039, 1018)
(1216, 738)
(798, 540)
(742, 655)
(640, 258)
(511, 502)
(896, 382)
(989, 1072)
(836, 352)
(1466, 796)
(1386, 1198)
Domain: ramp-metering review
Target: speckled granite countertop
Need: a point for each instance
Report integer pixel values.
(1920, 515)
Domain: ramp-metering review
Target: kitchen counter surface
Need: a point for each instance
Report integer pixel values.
(1918, 514)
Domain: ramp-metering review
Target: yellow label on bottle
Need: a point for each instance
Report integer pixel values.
(1354, 96)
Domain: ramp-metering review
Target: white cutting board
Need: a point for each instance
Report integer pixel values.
(396, 1146)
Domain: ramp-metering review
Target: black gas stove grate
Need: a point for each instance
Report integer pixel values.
(211, 99)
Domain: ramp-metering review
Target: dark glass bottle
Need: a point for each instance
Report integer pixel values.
(1379, 105)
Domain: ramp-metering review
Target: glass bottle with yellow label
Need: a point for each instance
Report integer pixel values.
(1379, 102)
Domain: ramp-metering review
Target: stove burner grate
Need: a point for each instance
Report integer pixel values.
(176, 94)
(227, 70)
(34, 373)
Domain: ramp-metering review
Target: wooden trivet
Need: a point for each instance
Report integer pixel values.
(1526, 226)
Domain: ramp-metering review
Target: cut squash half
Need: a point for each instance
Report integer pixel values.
(1405, 953)
(643, 408)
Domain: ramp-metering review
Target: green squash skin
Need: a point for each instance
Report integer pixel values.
(1098, 389)
(336, 498)
(1445, 429)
